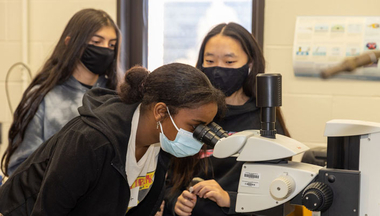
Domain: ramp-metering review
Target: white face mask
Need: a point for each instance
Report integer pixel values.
(184, 144)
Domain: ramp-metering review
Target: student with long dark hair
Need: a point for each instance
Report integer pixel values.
(85, 56)
(231, 58)
(113, 158)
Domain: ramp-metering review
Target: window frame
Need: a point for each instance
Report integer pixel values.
(132, 19)
(258, 11)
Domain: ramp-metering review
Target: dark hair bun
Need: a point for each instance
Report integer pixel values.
(132, 90)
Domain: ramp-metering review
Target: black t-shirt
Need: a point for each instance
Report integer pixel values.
(243, 117)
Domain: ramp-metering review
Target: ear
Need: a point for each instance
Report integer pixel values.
(67, 39)
(159, 111)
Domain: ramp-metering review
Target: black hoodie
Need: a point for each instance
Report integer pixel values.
(81, 169)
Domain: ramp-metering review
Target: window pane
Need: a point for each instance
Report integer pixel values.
(176, 27)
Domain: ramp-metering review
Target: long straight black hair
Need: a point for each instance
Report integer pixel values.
(57, 69)
(254, 53)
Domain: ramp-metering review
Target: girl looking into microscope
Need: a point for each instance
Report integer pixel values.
(113, 158)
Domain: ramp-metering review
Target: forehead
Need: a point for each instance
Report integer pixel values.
(221, 44)
(203, 113)
(107, 32)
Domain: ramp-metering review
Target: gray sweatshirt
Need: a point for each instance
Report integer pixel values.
(57, 108)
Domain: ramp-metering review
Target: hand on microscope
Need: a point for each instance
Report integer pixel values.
(209, 189)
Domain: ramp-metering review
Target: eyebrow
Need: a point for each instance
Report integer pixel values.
(104, 38)
(230, 55)
(226, 55)
(199, 121)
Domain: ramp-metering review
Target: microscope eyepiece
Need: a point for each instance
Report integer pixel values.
(217, 129)
(209, 134)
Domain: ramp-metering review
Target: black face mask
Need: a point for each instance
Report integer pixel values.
(97, 59)
(229, 80)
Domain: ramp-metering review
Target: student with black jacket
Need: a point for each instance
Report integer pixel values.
(113, 158)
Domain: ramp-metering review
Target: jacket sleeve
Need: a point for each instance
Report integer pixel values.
(71, 173)
(33, 138)
(213, 209)
(170, 201)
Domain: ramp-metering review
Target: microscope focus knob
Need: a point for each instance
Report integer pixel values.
(317, 196)
(282, 187)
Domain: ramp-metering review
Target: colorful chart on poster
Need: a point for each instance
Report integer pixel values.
(325, 41)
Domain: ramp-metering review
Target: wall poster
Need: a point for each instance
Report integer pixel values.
(325, 41)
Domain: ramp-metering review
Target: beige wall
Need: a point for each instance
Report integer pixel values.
(309, 102)
(46, 20)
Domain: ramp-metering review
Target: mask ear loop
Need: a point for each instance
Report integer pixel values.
(159, 124)
(172, 119)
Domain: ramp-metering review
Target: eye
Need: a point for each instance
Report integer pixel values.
(209, 63)
(95, 42)
(230, 62)
(191, 127)
(112, 45)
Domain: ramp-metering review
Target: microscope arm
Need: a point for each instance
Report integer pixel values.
(231, 145)
(251, 146)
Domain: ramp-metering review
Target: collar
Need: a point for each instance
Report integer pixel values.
(74, 83)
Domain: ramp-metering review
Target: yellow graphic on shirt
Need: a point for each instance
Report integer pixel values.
(143, 182)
